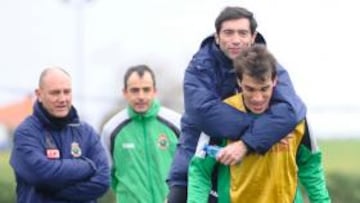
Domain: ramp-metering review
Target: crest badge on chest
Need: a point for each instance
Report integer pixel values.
(163, 142)
(75, 150)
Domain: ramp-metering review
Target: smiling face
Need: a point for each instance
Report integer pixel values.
(140, 91)
(55, 92)
(234, 36)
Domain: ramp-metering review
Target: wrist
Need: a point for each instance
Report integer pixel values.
(241, 144)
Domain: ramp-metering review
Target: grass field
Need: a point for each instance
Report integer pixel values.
(6, 174)
(340, 157)
(7, 182)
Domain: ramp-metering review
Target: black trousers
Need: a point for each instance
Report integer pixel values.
(178, 194)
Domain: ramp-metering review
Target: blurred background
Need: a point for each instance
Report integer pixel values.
(97, 40)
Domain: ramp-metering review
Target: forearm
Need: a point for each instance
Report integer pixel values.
(96, 185)
(206, 110)
(270, 128)
(83, 191)
(34, 167)
(312, 175)
(199, 183)
(89, 189)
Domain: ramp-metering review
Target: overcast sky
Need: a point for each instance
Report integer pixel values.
(316, 41)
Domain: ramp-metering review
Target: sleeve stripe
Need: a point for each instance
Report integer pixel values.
(108, 130)
(171, 119)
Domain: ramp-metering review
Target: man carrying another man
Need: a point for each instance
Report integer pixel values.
(270, 178)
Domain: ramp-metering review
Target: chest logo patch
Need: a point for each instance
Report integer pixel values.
(163, 142)
(75, 150)
(128, 145)
(53, 153)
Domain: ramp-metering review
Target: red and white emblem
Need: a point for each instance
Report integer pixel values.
(53, 153)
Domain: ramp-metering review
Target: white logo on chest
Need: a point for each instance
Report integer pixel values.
(128, 145)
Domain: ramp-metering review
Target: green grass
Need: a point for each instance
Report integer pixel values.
(7, 181)
(341, 156)
(6, 174)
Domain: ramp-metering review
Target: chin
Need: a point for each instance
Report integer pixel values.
(61, 114)
(233, 57)
(141, 110)
(258, 111)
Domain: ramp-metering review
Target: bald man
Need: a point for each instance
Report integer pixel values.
(56, 157)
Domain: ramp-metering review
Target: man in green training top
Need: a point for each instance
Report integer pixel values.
(141, 141)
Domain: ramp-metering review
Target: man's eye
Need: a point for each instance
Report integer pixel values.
(54, 92)
(134, 90)
(249, 89)
(146, 90)
(244, 33)
(228, 32)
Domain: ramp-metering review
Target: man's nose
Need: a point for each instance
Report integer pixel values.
(257, 97)
(236, 39)
(141, 94)
(62, 97)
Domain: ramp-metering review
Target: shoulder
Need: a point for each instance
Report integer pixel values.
(29, 129)
(83, 125)
(29, 124)
(169, 114)
(170, 117)
(204, 58)
(118, 119)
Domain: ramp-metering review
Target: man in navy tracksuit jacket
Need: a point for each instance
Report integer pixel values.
(55, 157)
(209, 79)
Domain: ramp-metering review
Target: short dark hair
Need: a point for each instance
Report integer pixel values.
(233, 13)
(140, 70)
(255, 61)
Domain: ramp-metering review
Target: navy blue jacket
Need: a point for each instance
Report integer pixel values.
(209, 79)
(50, 168)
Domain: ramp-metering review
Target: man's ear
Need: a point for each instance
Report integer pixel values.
(216, 38)
(238, 82)
(37, 93)
(253, 38)
(275, 81)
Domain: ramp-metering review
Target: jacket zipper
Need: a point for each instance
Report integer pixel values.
(147, 154)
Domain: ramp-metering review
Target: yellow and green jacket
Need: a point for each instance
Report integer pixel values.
(269, 178)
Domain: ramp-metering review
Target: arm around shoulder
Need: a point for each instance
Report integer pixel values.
(286, 110)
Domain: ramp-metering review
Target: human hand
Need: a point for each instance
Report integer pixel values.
(232, 153)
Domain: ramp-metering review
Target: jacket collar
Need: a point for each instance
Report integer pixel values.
(209, 45)
(54, 123)
(150, 113)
